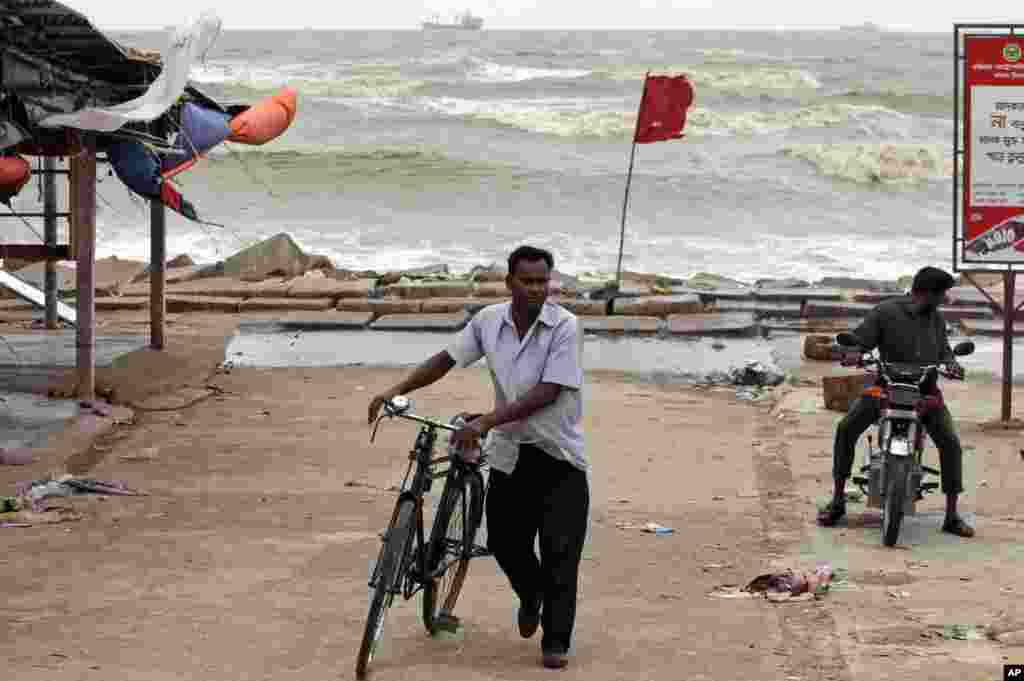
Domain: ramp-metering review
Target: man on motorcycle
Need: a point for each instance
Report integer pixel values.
(909, 329)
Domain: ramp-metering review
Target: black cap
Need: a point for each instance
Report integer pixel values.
(932, 280)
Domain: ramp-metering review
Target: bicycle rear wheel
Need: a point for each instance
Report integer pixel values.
(391, 563)
(450, 547)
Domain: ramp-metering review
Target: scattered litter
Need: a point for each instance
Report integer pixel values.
(144, 454)
(16, 456)
(652, 528)
(756, 374)
(34, 494)
(899, 595)
(731, 591)
(783, 586)
(717, 498)
(961, 632)
(28, 518)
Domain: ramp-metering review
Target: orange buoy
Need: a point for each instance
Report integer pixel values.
(15, 173)
(265, 121)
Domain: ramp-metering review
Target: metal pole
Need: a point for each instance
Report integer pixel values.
(629, 178)
(157, 272)
(83, 204)
(1009, 312)
(622, 232)
(50, 234)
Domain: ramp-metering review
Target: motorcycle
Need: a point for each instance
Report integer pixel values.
(895, 474)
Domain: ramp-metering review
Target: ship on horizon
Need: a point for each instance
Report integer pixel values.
(464, 21)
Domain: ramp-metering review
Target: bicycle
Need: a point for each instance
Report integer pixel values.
(406, 563)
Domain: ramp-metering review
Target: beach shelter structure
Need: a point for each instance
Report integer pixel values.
(70, 92)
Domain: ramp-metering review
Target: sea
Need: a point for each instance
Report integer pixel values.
(806, 153)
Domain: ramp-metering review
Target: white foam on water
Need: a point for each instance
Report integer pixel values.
(877, 163)
(483, 71)
(738, 79)
(341, 81)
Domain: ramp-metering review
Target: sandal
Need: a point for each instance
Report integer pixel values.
(833, 511)
(957, 526)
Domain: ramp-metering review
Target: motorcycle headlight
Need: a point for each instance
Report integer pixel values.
(899, 447)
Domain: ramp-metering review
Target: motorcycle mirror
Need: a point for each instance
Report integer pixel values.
(964, 348)
(847, 339)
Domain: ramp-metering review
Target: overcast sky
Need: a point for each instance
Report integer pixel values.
(909, 15)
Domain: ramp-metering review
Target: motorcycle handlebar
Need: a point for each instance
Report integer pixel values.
(868, 362)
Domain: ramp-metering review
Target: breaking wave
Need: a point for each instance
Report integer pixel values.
(883, 163)
(361, 80)
(581, 119)
(749, 80)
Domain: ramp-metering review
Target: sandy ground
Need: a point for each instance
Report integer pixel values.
(249, 557)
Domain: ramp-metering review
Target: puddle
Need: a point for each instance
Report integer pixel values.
(661, 359)
(58, 349)
(26, 420)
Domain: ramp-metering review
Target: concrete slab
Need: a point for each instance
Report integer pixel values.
(447, 305)
(276, 287)
(657, 306)
(323, 287)
(922, 529)
(330, 321)
(761, 310)
(622, 324)
(707, 295)
(452, 321)
(27, 420)
(201, 304)
(216, 287)
(431, 290)
(988, 327)
(875, 297)
(380, 306)
(797, 295)
(491, 289)
(116, 304)
(712, 324)
(956, 314)
(810, 325)
(834, 309)
(59, 349)
(261, 304)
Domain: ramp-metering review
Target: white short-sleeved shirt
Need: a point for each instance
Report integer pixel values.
(550, 352)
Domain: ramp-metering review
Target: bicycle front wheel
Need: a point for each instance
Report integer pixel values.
(391, 564)
(450, 548)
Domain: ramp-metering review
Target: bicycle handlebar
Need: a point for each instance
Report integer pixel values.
(419, 419)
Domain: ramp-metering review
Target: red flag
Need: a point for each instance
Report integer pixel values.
(663, 109)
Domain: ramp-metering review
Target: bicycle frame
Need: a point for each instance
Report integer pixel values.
(422, 466)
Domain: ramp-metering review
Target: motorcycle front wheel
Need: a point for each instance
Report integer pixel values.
(897, 470)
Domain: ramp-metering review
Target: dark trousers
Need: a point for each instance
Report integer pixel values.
(549, 497)
(937, 422)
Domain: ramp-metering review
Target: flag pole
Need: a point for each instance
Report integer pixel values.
(629, 177)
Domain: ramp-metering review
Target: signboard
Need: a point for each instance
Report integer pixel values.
(993, 175)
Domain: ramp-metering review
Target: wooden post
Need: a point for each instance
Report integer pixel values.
(83, 209)
(1009, 312)
(157, 272)
(50, 236)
